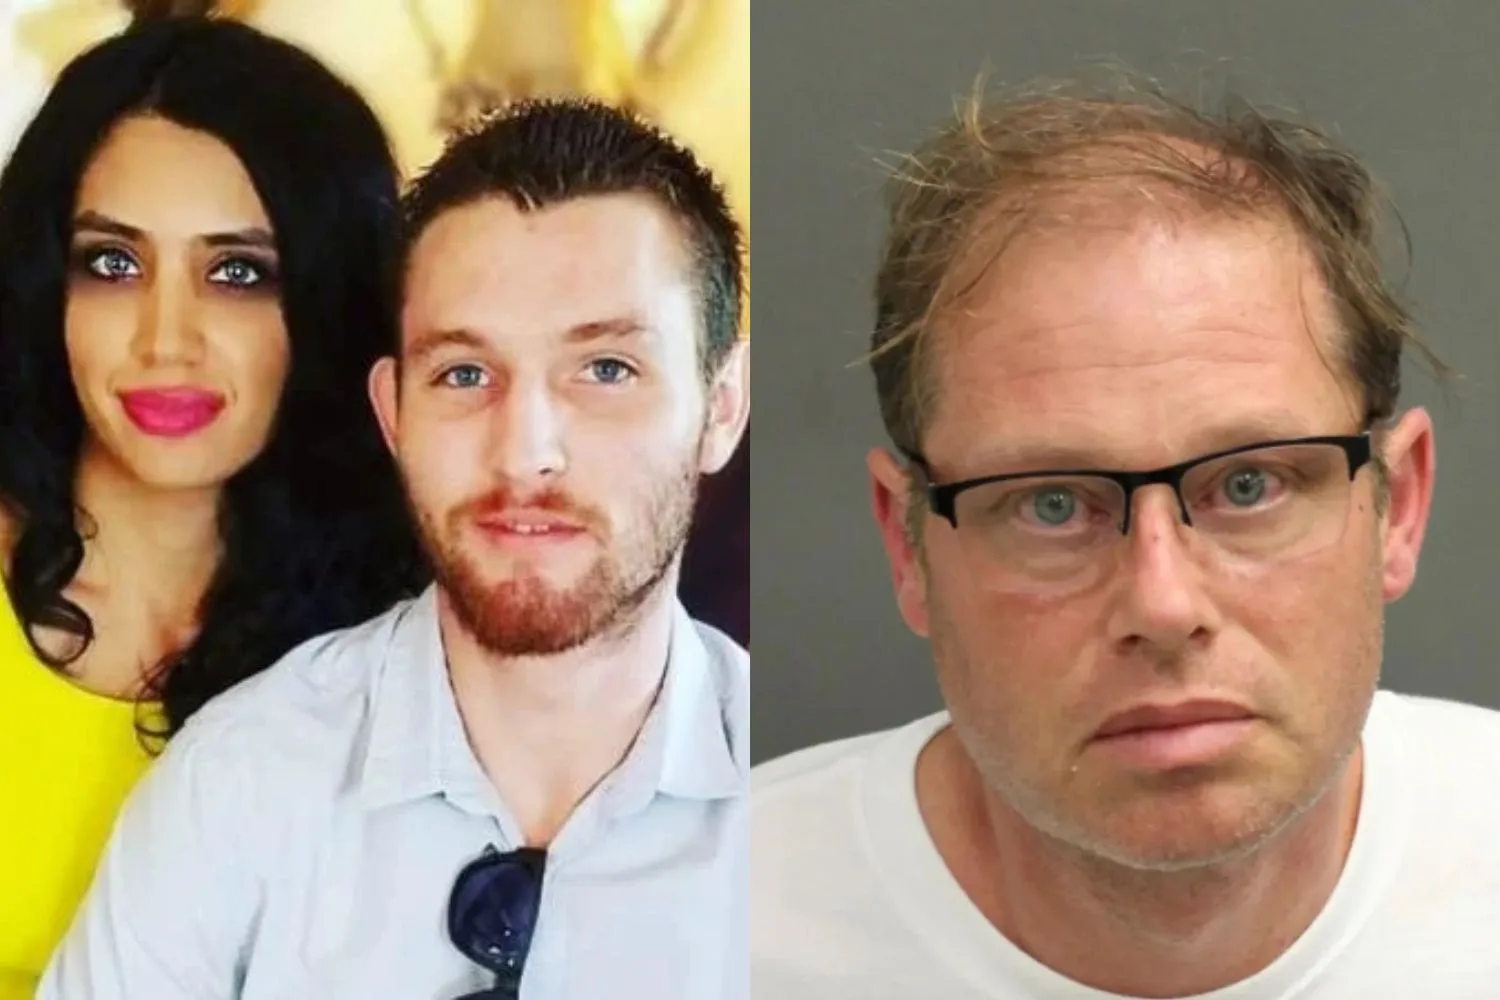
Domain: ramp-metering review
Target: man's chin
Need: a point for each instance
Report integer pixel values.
(532, 613)
(528, 621)
(539, 581)
(531, 592)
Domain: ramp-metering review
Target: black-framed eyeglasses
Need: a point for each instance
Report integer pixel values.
(1056, 531)
(943, 497)
(492, 915)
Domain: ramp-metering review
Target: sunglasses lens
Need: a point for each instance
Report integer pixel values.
(494, 911)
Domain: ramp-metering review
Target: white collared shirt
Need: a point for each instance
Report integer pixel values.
(301, 836)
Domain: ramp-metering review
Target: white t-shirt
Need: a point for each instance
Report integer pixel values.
(851, 900)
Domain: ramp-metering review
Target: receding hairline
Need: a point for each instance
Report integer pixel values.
(1114, 179)
(1114, 182)
(1317, 306)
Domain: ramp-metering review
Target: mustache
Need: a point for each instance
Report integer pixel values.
(555, 501)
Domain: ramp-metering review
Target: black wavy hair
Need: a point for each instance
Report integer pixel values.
(314, 529)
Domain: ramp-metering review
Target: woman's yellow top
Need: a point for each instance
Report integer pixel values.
(68, 758)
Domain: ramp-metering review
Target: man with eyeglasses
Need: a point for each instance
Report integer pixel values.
(530, 782)
(1149, 493)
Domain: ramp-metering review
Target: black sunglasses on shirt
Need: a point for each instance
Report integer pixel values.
(492, 914)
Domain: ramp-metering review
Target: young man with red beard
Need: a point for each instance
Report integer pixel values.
(537, 770)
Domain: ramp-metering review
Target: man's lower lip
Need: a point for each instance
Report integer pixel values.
(511, 535)
(1176, 746)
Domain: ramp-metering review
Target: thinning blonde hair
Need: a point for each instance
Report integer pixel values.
(1005, 162)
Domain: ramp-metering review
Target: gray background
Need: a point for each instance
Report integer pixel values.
(1413, 87)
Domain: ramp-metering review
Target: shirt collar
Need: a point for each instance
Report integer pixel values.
(705, 746)
(402, 758)
(695, 743)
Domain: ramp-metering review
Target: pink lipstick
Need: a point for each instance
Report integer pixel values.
(175, 412)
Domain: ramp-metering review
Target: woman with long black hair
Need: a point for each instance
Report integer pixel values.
(196, 244)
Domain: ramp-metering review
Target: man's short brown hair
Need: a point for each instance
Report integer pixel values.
(543, 152)
(1004, 163)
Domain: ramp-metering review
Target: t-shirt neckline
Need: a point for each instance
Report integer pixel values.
(925, 895)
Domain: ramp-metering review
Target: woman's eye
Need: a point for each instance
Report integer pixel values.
(112, 264)
(239, 272)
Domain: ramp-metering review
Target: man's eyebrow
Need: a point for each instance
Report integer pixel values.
(432, 341)
(625, 326)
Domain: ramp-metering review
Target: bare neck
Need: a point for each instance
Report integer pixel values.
(163, 544)
(1145, 934)
(149, 556)
(547, 729)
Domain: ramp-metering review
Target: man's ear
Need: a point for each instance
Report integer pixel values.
(728, 409)
(890, 499)
(1411, 462)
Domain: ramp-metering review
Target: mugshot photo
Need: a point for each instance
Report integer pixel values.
(1124, 571)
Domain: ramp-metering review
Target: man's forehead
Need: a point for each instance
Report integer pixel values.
(1144, 327)
(496, 224)
(611, 252)
(1141, 294)
(504, 303)
(1133, 429)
